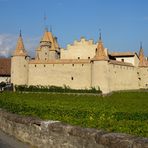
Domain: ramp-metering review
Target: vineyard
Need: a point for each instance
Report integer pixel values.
(125, 112)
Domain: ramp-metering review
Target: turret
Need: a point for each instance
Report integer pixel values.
(48, 48)
(19, 64)
(142, 70)
(100, 68)
(100, 51)
(142, 60)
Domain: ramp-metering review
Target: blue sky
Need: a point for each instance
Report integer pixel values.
(124, 23)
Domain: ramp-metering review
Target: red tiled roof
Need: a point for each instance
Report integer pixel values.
(5, 67)
(120, 54)
(120, 63)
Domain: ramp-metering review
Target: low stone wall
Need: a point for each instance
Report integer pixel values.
(54, 134)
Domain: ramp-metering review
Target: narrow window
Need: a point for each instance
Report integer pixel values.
(82, 64)
(71, 78)
(78, 57)
(35, 65)
(44, 65)
(122, 60)
(73, 65)
(88, 57)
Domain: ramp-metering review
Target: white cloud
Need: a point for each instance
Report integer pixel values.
(8, 44)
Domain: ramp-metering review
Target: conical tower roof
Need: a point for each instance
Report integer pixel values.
(142, 61)
(100, 51)
(45, 37)
(20, 49)
(48, 37)
(51, 38)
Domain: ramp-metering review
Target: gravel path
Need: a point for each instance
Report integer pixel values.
(7, 141)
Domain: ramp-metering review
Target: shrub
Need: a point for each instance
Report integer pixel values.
(64, 89)
(2, 84)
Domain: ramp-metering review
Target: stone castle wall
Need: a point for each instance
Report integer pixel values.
(112, 77)
(122, 77)
(143, 77)
(75, 76)
(108, 77)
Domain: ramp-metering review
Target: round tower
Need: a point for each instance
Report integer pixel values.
(19, 64)
(100, 68)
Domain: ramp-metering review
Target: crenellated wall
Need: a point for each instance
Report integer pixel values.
(83, 49)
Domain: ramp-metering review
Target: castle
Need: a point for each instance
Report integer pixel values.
(84, 64)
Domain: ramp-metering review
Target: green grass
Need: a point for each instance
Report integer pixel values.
(125, 112)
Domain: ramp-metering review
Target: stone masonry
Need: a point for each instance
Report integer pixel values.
(54, 134)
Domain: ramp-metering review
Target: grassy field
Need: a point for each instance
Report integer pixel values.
(125, 112)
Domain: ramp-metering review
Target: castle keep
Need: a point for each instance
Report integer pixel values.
(84, 64)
